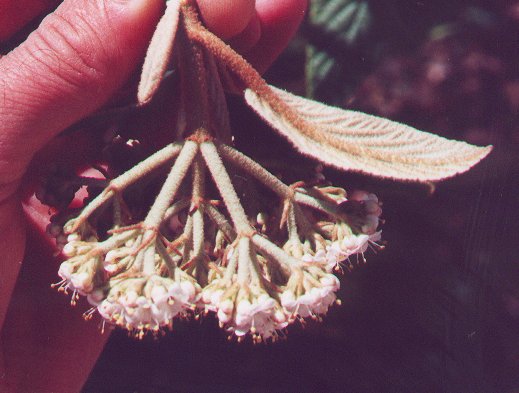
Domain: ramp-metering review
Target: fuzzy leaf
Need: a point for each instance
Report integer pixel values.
(159, 52)
(359, 142)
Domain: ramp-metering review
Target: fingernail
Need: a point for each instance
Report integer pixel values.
(134, 7)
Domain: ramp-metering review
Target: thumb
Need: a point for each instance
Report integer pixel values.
(68, 67)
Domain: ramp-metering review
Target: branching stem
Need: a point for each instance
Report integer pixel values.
(256, 170)
(272, 182)
(221, 222)
(115, 241)
(196, 206)
(149, 259)
(127, 178)
(225, 186)
(171, 265)
(171, 185)
(274, 252)
(176, 208)
(293, 236)
(188, 240)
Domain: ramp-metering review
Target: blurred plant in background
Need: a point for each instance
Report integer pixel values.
(450, 67)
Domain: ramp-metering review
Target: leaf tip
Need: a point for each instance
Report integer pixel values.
(467, 162)
(145, 93)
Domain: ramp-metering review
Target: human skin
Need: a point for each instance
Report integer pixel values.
(64, 71)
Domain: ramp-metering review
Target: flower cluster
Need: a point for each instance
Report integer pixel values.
(185, 257)
(333, 242)
(148, 303)
(309, 292)
(245, 302)
(244, 309)
(132, 284)
(79, 272)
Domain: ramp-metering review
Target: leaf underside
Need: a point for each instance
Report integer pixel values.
(355, 141)
(159, 52)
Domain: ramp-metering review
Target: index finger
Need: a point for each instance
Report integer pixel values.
(259, 29)
(226, 18)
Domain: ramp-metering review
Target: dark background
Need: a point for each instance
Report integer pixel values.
(438, 309)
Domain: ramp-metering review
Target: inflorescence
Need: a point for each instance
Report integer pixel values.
(188, 258)
(200, 248)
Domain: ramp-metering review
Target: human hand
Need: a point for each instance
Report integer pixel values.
(66, 69)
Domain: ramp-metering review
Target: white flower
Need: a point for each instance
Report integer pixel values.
(77, 246)
(261, 317)
(79, 274)
(309, 293)
(95, 297)
(149, 302)
(244, 310)
(340, 250)
(318, 257)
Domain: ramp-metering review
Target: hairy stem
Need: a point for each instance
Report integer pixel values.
(244, 261)
(256, 274)
(115, 241)
(149, 267)
(271, 250)
(198, 234)
(219, 114)
(139, 256)
(171, 185)
(303, 224)
(188, 240)
(198, 183)
(272, 182)
(198, 219)
(254, 169)
(224, 185)
(176, 208)
(117, 214)
(127, 178)
(293, 236)
(223, 52)
(193, 79)
(221, 222)
(163, 252)
(317, 204)
(231, 267)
